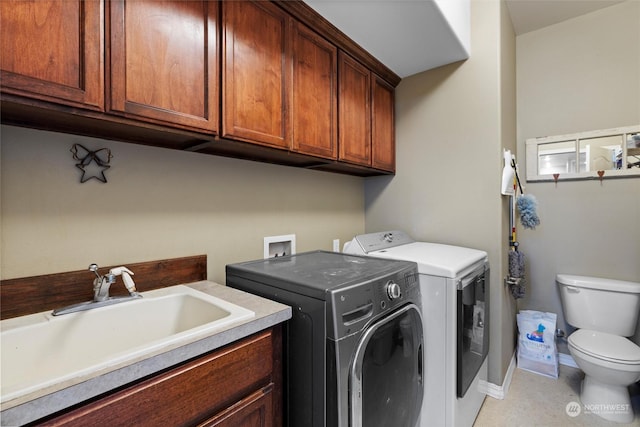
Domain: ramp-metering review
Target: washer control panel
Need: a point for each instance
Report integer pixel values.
(393, 290)
(352, 308)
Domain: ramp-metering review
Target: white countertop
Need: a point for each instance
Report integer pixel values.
(37, 405)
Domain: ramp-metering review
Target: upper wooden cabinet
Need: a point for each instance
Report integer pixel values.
(383, 142)
(366, 117)
(263, 80)
(164, 62)
(315, 105)
(256, 72)
(53, 50)
(354, 120)
(279, 81)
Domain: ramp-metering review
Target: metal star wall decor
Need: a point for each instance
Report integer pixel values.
(92, 163)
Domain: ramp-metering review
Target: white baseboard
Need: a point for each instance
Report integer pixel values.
(500, 391)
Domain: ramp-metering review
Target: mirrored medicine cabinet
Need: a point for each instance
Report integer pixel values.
(607, 153)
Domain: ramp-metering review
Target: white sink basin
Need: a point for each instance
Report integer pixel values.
(40, 350)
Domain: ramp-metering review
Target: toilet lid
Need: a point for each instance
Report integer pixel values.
(606, 346)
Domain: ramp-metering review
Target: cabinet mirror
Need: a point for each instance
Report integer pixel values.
(608, 153)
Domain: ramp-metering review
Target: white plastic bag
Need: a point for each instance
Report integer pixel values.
(537, 351)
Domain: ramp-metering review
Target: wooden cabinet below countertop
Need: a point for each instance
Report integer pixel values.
(237, 385)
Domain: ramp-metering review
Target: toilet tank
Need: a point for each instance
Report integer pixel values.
(603, 305)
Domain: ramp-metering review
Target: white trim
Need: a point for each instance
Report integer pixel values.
(532, 145)
(500, 391)
(279, 245)
(567, 360)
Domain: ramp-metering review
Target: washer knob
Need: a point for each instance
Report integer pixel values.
(393, 290)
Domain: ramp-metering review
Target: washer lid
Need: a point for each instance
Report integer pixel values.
(601, 345)
(436, 259)
(317, 273)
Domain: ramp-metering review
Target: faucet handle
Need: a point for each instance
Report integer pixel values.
(94, 268)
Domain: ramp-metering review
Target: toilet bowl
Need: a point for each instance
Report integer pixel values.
(606, 311)
(610, 363)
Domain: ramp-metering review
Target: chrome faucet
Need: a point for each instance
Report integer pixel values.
(101, 285)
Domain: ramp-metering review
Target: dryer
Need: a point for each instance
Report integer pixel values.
(454, 284)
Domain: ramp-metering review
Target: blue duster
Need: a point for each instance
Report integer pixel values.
(527, 205)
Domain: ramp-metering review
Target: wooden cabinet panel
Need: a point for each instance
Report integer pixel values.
(354, 111)
(190, 393)
(163, 58)
(53, 50)
(254, 411)
(266, 73)
(315, 102)
(383, 144)
(256, 72)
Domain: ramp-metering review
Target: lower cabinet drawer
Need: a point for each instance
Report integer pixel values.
(255, 410)
(202, 389)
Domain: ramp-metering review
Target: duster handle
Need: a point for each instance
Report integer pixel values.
(513, 165)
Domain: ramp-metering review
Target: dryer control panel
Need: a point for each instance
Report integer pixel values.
(367, 243)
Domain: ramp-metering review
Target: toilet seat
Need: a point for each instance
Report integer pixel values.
(600, 345)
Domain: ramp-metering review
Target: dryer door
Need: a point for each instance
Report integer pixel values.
(386, 378)
(473, 328)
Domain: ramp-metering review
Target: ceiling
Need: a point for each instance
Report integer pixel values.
(531, 15)
(408, 36)
(424, 30)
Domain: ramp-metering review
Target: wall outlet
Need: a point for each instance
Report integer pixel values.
(336, 245)
(275, 246)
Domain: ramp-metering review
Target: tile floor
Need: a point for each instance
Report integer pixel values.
(533, 400)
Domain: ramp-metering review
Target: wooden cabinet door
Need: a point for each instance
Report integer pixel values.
(354, 111)
(256, 72)
(53, 50)
(315, 105)
(383, 145)
(164, 65)
(216, 383)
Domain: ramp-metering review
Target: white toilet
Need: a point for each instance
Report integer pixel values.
(605, 311)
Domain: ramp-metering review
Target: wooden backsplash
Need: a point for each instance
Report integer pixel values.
(28, 295)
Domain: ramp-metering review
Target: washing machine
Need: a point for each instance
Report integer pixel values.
(454, 284)
(353, 349)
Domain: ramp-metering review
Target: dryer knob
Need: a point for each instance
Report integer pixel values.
(393, 290)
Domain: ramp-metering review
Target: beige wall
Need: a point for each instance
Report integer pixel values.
(580, 75)
(451, 126)
(158, 204)
(452, 123)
